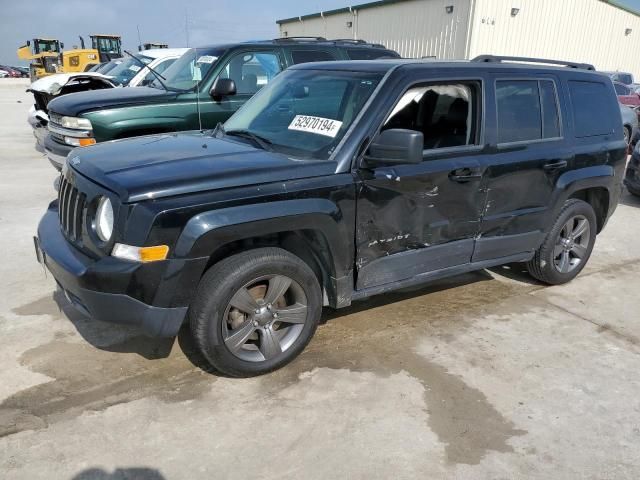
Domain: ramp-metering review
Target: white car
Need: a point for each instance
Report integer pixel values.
(128, 73)
(3, 73)
(163, 58)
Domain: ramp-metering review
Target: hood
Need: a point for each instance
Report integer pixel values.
(54, 83)
(74, 104)
(159, 166)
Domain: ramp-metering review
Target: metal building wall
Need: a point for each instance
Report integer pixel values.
(413, 28)
(588, 31)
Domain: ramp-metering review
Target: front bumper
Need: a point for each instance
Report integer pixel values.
(104, 288)
(38, 126)
(56, 152)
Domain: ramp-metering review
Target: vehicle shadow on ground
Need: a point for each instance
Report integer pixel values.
(390, 298)
(517, 272)
(134, 473)
(113, 337)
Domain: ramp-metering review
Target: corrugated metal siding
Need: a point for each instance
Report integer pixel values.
(577, 30)
(417, 28)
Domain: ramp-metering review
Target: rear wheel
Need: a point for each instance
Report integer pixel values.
(568, 245)
(255, 311)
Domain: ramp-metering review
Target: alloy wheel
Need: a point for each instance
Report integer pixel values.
(572, 245)
(264, 318)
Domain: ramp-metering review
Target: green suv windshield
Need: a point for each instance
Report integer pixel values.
(187, 72)
(304, 113)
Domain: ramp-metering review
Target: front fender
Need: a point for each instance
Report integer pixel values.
(208, 231)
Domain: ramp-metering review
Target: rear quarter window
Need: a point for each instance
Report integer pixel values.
(370, 53)
(306, 56)
(594, 112)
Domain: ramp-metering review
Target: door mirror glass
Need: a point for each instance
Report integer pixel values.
(396, 146)
(223, 87)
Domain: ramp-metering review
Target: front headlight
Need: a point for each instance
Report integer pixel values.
(76, 123)
(104, 219)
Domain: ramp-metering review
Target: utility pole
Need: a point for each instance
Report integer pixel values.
(186, 24)
(139, 39)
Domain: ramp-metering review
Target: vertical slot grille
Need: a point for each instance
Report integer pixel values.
(71, 205)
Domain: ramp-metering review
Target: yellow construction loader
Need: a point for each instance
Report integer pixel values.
(44, 55)
(47, 56)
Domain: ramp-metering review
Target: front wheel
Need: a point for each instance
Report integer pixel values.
(568, 245)
(255, 311)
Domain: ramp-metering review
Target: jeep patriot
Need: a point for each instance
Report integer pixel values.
(337, 181)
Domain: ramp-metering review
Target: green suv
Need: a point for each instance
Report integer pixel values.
(202, 88)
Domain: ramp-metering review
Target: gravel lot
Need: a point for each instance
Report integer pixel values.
(487, 375)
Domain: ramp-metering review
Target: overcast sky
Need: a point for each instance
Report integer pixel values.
(209, 21)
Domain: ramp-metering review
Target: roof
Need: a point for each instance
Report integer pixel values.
(163, 52)
(378, 3)
(313, 41)
(382, 66)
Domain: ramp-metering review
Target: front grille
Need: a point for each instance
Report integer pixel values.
(71, 205)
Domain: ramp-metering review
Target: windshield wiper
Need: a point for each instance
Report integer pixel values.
(262, 142)
(157, 75)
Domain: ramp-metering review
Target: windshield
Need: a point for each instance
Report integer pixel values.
(47, 46)
(127, 69)
(190, 69)
(305, 113)
(106, 44)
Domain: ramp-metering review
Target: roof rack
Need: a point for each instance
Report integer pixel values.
(348, 40)
(499, 59)
(300, 39)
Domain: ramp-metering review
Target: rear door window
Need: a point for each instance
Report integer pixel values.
(306, 56)
(527, 110)
(593, 111)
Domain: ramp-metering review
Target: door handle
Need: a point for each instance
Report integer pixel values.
(554, 165)
(462, 175)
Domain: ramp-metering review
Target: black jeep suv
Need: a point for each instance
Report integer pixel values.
(338, 181)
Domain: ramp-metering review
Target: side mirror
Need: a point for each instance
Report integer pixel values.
(61, 46)
(223, 87)
(28, 43)
(396, 146)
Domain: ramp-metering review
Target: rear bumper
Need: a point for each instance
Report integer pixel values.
(103, 288)
(56, 152)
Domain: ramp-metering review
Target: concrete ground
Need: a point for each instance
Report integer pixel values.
(487, 375)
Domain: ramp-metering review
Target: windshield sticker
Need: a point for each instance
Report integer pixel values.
(206, 59)
(135, 68)
(317, 125)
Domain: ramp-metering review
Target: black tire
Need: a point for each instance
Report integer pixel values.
(633, 191)
(224, 280)
(627, 134)
(543, 265)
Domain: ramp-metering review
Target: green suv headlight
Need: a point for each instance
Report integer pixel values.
(76, 123)
(103, 224)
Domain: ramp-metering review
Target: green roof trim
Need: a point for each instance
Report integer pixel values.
(362, 6)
